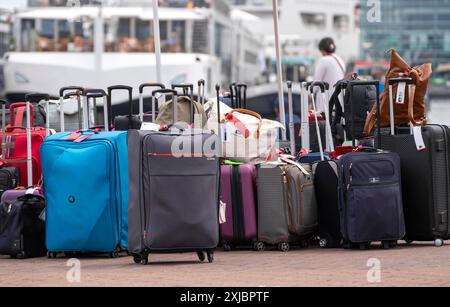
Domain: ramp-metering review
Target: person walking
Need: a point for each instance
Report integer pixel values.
(330, 68)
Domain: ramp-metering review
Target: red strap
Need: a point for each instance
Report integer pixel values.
(238, 124)
(74, 136)
(83, 138)
(18, 121)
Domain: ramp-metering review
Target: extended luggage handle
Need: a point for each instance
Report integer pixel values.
(3, 102)
(241, 90)
(350, 88)
(36, 98)
(142, 87)
(201, 91)
(94, 94)
(187, 88)
(219, 122)
(174, 94)
(291, 117)
(411, 93)
(12, 110)
(324, 86)
(62, 96)
(129, 90)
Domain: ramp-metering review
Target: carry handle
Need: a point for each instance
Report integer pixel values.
(351, 86)
(324, 86)
(142, 87)
(78, 91)
(93, 94)
(174, 93)
(291, 117)
(129, 89)
(12, 109)
(36, 97)
(407, 80)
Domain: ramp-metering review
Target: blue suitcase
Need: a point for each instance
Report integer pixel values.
(86, 188)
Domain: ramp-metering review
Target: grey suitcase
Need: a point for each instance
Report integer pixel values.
(287, 208)
(173, 197)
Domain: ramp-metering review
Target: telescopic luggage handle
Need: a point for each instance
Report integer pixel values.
(291, 118)
(94, 94)
(36, 98)
(62, 96)
(12, 109)
(201, 91)
(127, 88)
(408, 81)
(324, 86)
(174, 93)
(142, 87)
(350, 87)
(219, 128)
(3, 102)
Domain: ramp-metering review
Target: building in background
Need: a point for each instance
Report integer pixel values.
(303, 23)
(419, 30)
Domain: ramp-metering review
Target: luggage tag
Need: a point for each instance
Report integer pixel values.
(150, 127)
(222, 215)
(401, 90)
(418, 138)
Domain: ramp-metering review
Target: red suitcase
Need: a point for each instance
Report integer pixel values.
(16, 141)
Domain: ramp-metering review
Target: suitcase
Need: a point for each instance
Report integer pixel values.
(426, 178)
(86, 186)
(125, 122)
(287, 209)
(174, 196)
(69, 121)
(369, 195)
(22, 228)
(16, 141)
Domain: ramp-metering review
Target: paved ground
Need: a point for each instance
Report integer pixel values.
(416, 265)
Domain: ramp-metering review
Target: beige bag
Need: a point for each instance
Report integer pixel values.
(165, 116)
(246, 136)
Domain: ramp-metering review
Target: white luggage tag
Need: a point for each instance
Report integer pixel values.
(418, 138)
(150, 127)
(222, 215)
(401, 91)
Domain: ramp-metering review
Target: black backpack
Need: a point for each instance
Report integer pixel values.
(364, 98)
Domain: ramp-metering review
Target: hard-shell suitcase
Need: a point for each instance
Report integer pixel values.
(174, 196)
(125, 122)
(287, 209)
(426, 177)
(22, 228)
(16, 140)
(86, 187)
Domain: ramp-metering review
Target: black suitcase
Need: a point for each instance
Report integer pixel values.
(426, 179)
(9, 178)
(125, 122)
(22, 228)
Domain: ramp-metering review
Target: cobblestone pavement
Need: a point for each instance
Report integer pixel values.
(415, 265)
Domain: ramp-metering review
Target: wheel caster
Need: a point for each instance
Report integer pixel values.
(284, 247)
(52, 255)
(144, 261)
(201, 256)
(386, 245)
(114, 255)
(137, 259)
(323, 243)
(438, 242)
(260, 246)
(20, 255)
(226, 247)
(210, 257)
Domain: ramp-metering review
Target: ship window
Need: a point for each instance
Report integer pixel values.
(313, 20)
(124, 28)
(47, 28)
(341, 23)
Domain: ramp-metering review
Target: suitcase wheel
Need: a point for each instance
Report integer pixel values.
(210, 256)
(259, 246)
(114, 254)
(226, 246)
(438, 242)
(284, 247)
(52, 255)
(201, 256)
(20, 255)
(144, 260)
(323, 243)
(137, 259)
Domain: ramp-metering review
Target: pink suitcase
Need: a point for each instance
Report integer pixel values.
(238, 185)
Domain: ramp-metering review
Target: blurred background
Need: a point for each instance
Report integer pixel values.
(48, 44)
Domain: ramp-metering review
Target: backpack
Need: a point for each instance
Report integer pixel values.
(364, 98)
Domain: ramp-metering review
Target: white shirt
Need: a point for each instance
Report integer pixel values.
(330, 69)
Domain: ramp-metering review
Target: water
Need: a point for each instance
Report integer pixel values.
(439, 112)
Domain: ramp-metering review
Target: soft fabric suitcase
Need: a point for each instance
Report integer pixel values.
(9, 178)
(426, 178)
(174, 196)
(86, 187)
(22, 228)
(238, 192)
(16, 140)
(125, 122)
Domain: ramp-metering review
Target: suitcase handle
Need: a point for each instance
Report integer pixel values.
(97, 93)
(242, 102)
(351, 86)
(219, 128)
(141, 99)
(291, 117)
(36, 97)
(70, 88)
(12, 109)
(399, 80)
(174, 93)
(201, 91)
(129, 89)
(324, 86)
(78, 91)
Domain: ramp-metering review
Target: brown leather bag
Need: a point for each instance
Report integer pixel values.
(414, 109)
